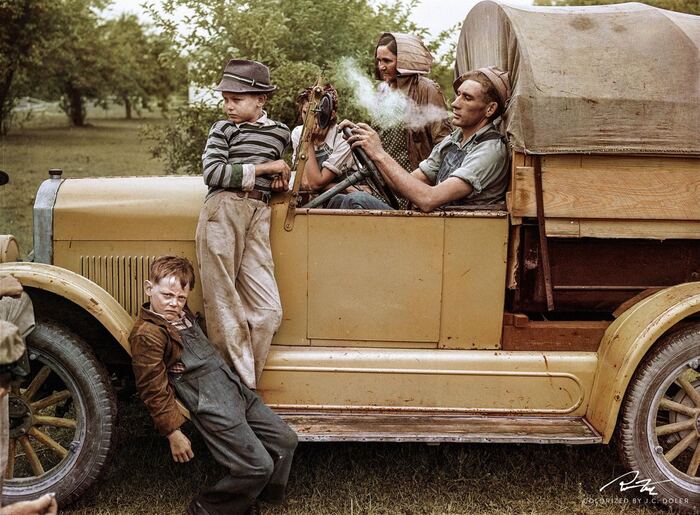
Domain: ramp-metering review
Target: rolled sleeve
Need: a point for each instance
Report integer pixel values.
(296, 137)
(340, 160)
(482, 166)
(431, 164)
(248, 177)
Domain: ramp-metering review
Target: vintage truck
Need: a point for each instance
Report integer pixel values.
(570, 314)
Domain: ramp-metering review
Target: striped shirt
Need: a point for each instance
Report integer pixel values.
(232, 151)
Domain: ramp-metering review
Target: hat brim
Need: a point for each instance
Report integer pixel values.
(233, 86)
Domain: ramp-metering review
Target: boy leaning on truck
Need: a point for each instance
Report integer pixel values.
(172, 355)
(242, 164)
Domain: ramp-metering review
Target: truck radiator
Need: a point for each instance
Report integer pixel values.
(121, 276)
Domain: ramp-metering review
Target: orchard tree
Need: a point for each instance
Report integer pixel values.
(76, 63)
(28, 27)
(142, 68)
(81, 64)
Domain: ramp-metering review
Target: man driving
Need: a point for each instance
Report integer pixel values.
(468, 167)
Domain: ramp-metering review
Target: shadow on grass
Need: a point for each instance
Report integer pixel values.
(373, 478)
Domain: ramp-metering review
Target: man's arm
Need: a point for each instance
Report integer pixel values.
(412, 186)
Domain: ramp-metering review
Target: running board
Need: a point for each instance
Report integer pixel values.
(372, 427)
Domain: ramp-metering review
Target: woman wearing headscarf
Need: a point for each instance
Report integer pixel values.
(402, 63)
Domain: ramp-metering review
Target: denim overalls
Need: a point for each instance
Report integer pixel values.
(241, 431)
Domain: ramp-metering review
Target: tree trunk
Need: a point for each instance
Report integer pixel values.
(127, 107)
(6, 101)
(6, 94)
(76, 107)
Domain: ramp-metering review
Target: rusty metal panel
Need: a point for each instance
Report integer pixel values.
(121, 267)
(375, 278)
(149, 209)
(77, 289)
(474, 275)
(625, 344)
(120, 276)
(289, 253)
(427, 380)
(435, 427)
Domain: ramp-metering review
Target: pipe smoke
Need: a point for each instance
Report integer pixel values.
(386, 107)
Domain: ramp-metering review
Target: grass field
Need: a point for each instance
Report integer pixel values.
(326, 478)
(370, 478)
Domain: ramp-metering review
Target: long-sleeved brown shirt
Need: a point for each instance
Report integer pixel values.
(155, 347)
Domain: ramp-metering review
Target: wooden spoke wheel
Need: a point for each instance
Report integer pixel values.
(62, 418)
(659, 434)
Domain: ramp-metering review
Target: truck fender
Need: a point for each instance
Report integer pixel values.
(626, 342)
(77, 289)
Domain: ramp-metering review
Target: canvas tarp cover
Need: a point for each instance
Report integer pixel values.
(615, 78)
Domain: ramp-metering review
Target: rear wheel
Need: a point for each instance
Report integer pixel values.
(62, 419)
(659, 434)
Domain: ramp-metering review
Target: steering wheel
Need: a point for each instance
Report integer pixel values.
(374, 174)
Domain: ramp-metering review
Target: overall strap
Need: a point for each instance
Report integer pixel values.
(489, 135)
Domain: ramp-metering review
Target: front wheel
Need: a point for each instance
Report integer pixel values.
(659, 434)
(62, 419)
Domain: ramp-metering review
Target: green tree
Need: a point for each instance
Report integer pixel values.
(139, 74)
(77, 62)
(296, 38)
(28, 26)
(681, 6)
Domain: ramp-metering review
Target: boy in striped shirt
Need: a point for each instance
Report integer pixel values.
(242, 165)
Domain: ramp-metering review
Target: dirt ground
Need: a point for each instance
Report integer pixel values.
(326, 478)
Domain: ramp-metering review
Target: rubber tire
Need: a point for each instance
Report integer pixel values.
(98, 404)
(635, 451)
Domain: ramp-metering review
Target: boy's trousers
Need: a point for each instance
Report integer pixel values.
(241, 300)
(243, 434)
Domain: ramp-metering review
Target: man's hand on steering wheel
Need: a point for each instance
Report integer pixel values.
(367, 147)
(363, 136)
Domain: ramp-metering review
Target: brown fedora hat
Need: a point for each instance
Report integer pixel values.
(244, 76)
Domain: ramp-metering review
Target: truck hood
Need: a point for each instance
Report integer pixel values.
(128, 208)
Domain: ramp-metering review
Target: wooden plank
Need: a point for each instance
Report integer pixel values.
(561, 162)
(645, 229)
(563, 228)
(554, 336)
(642, 193)
(362, 426)
(610, 163)
(513, 258)
(641, 229)
(518, 160)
